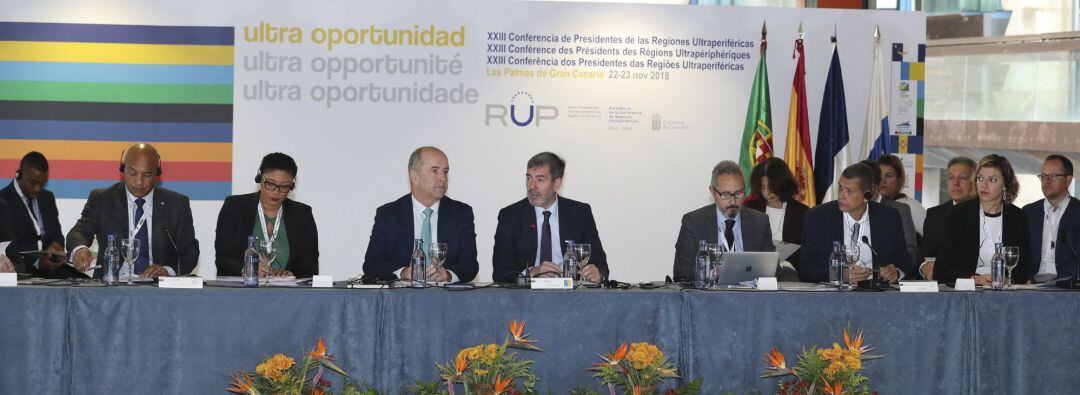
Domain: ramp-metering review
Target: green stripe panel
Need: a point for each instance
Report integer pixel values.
(116, 93)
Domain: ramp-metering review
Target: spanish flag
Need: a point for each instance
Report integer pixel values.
(797, 152)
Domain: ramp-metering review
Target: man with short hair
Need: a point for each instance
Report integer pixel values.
(138, 208)
(529, 235)
(959, 171)
(35, 221)
(1054, 223)
(424, 213)
(850, 219)
(724, 222)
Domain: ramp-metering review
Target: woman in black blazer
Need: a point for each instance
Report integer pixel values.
(287, 221)
(774, 187)
(975, 226)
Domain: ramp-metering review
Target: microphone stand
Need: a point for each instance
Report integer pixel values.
(875, 283)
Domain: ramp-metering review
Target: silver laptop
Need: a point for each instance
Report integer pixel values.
(747, 266)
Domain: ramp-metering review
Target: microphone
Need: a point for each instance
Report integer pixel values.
(176, 251)
(875, 282)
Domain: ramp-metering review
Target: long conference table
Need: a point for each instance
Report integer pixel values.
(141, 339)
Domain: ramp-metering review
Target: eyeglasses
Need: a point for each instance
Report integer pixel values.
(1051, 176)
(270, 186)
(729, 195)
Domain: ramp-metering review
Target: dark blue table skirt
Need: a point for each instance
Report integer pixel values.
(92, 340)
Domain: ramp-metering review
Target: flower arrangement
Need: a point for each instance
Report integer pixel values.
(488, 369)
(638, 369)
(831, 371)
(279, 374)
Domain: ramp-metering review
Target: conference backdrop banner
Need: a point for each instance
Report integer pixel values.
(641, 100)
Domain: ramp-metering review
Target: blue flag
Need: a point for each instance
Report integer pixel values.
(831, 157)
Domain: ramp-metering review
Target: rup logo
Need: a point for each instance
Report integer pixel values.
(522, 111)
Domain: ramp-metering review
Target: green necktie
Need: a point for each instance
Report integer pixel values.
(425, 231)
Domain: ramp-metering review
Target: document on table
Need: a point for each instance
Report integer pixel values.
(276, 281)
(784, 250)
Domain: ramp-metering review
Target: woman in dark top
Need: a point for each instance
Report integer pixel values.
(283, 219)
(977, 225)
(775, 187)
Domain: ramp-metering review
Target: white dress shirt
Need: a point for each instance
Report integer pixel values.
(776, 220)
(721, 236)
(866, 256)
(989, 235)
(1051, 221)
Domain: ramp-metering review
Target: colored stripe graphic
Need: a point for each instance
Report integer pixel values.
(195, 190)
(115, 93)
(116, 73)
(132, 112)
(110, 150)
(49, 51)
(108, 169)
(116, 131)
(131, 34)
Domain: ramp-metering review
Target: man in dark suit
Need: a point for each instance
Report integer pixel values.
(6, 266)
(35, 221)
(725, 222)
(530, 232)
(137, 208)
(848, 220)
(960, 190)
(1054, 223)
(425, 213)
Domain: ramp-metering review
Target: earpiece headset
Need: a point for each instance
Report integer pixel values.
(123, 167)
(258, 178)
(18, 175)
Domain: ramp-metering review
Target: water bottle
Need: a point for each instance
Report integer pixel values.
(112, 261)
(836, 265)
(251, 264)
(997, 268)
(703, 266)
(570, 262)
(418, 264)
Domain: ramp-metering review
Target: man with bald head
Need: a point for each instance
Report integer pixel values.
(424, 213)
(137, 208)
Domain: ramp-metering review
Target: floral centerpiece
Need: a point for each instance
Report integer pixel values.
(280, 374)
(638, 369)
(488, 369)
(833, 371)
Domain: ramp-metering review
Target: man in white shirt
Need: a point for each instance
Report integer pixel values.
(1054, 222)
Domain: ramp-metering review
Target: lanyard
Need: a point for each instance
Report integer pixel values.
(277, 223)
(133, 228)
(26, 203)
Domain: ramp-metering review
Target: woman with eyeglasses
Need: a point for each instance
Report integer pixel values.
(269, 214)
(977, 225)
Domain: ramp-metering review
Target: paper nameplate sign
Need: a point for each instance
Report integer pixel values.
(918, 286)
(552, 283)
(180, 282)
(322, 281)
(9, 279)
(767, 284)
(965, 284)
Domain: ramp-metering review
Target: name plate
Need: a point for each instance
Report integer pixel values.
(965, 284)
(918, 286)
(322, 281)
(9, 279)
(180, 282)
(552, 283)
(767, 284)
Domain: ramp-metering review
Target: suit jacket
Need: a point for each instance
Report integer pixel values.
(516, 237)
(1068, 237)
(24, 237)
(5, 231)
(793, 222)
(960, 253)
(392, 237)
(237, 219)
(911, 241)
(106, 212)
(701, 224)
(824, 224)
(934, 230)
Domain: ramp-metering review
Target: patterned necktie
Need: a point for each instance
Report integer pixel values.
(545, 239)
(144, 238)
(425, 231)
(729, 233)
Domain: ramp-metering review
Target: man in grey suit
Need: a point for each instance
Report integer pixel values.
(139, 209)
(910, 241)
(726, 222)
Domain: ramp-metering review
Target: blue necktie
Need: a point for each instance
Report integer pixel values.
(144, 239)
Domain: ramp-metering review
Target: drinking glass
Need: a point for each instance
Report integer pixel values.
(267, 250)
(1012, 257)
(129, 248)
(437, 253)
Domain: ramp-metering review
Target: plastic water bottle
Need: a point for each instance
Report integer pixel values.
(112, 261)
(418, 264)
(997, 268)
(836, 265)
(703, 266)
(251, 264)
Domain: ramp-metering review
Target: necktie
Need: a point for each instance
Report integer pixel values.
(729, 233)
(855, 234)
(425, 231)
(545, 239)
(143, 236)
